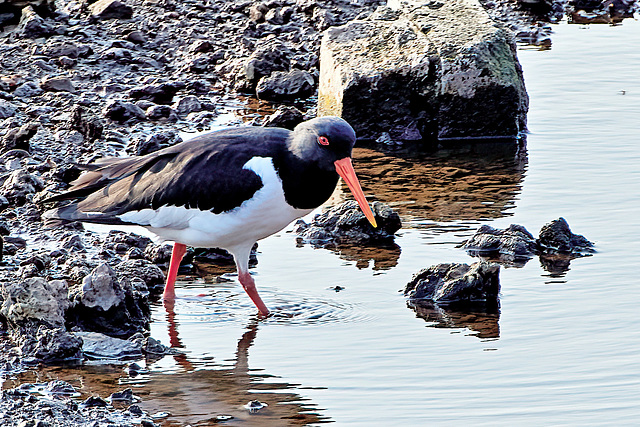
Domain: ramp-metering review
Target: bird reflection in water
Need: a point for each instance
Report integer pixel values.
(200, 396)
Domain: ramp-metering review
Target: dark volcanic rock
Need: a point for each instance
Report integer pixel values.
(287, 117)
(269, 57)
(283, 86)
(57, 84)
(158, 93)
(125, 395)
(18, 138)
(149, 273)
(20, 186)
(50, 345)
(111, 9)
(514, 246)
(158, 254)
(32, 25)
(162, 113)
(456, 283)
(88, 125)
(120, 111)
(104, 303)
(120, 241)
(513, 242)
(345, 223)
(556, 236)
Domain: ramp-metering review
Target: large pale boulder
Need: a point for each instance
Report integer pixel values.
(423, 70)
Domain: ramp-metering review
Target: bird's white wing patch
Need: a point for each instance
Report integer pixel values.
(164, 217)
(256, 218)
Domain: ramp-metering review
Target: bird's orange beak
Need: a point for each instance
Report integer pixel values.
(345, 170)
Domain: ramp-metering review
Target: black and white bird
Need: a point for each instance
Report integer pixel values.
(225, 189)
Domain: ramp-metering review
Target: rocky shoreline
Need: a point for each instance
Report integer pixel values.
(82, 80)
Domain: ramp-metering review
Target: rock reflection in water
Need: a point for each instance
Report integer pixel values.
(481, 319)
(556, 264)
(472, 182)
(384, 257)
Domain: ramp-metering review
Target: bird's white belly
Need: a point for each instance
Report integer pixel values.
(267, 212)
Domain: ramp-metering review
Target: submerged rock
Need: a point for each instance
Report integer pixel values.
(422, 70)
(556, 246)
(556, 236)
(100, 346)
(456, 283)
(510, 244)
(345, 223)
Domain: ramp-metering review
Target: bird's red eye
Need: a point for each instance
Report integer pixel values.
(322, 140)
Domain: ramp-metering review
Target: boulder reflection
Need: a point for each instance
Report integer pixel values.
(469, 182)
(481, 319)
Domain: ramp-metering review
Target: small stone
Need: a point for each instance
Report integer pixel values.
(257, 12)
(255, 405)
(68, 49)
(286, 116)
(188, 104)
(32, 25)
(283, 86)
(111, 9)
(18, 138)
(135, 411)
(125, 395)
(157, 93)
(7, 109)
(27, 90)
(57, 84)
(137, 37)
(20, 186)
(120, 111)
(100, 346)
(162, 113)
(95, 402)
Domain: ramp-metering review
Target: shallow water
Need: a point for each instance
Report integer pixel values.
(563, 348)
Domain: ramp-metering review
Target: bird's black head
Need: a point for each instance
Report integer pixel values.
(323, 140)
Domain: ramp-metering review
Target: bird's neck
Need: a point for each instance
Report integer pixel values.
(306, 184)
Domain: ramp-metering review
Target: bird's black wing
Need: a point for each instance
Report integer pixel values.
(204, 173)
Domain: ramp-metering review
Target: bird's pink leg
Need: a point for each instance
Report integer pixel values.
(176, 256)
(249, 286)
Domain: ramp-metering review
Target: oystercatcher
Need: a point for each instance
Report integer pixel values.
(225, 189)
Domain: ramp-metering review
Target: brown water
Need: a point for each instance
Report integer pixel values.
(563, 349)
